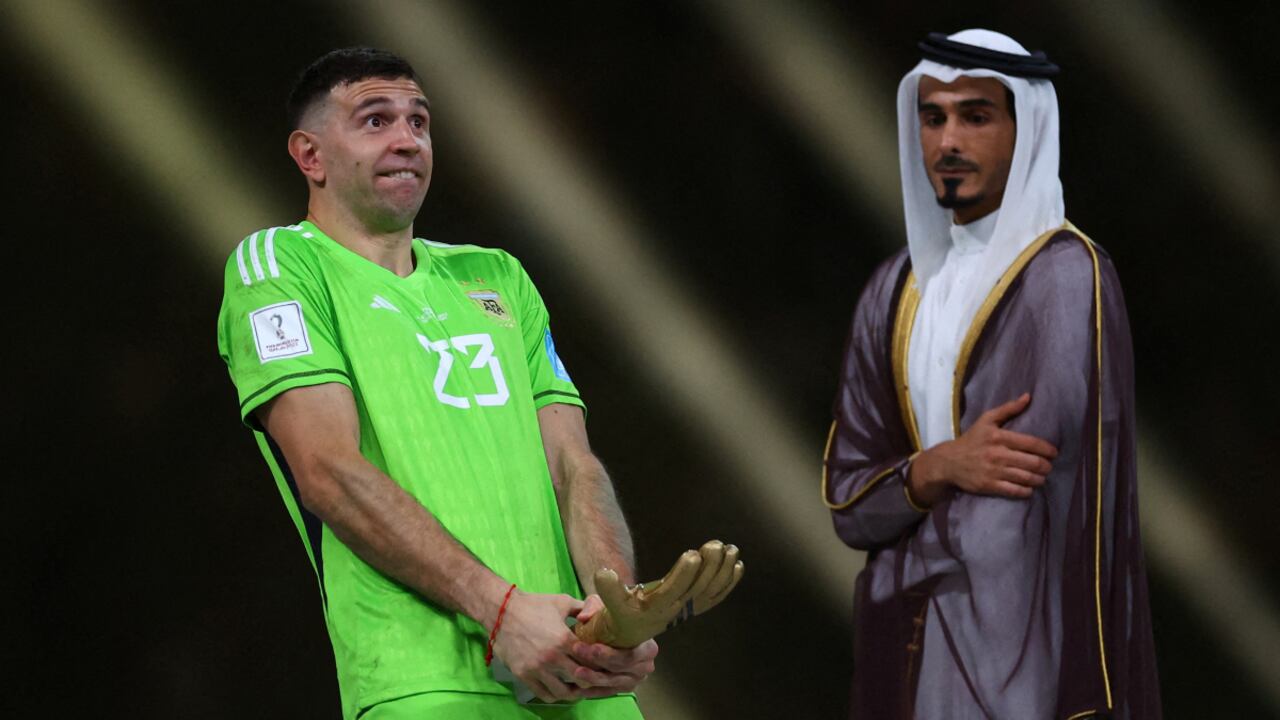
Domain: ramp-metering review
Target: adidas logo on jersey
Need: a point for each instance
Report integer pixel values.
(381, 302)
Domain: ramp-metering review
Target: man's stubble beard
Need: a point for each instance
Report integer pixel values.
(381, 213)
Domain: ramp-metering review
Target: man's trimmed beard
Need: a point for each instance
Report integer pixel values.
(950, 200)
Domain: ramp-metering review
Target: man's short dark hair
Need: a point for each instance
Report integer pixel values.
(342, 67)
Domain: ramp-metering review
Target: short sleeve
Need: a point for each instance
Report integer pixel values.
(276, 328)
(548, 376)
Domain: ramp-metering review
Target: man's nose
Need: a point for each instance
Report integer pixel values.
(404, 139)
(951, 140)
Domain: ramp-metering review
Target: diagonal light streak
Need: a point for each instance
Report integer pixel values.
(1180, 85)
(187, 168)
(1186, 543)
(830, 90)
(1178, 532)
(145, 119)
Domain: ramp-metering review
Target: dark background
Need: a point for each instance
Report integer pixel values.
(157, 574)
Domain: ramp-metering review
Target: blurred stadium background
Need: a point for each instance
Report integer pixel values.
(701, 190)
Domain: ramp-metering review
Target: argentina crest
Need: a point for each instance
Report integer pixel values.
(490, 302)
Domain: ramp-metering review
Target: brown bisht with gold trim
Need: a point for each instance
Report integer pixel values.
(986, 607)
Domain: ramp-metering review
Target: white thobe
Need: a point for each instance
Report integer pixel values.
(940, 329)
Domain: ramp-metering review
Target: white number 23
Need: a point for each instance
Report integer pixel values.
(483, 357)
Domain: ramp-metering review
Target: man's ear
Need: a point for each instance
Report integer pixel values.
(304, 148)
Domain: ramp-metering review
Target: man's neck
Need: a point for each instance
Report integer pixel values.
(392, 250)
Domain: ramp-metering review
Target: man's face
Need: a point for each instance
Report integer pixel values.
(967, 135)
(375, 147)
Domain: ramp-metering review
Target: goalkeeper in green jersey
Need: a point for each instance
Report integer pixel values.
(427, 440)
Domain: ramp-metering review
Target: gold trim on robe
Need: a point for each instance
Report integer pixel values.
(1097, 520)
(904, 320)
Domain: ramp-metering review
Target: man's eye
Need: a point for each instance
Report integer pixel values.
(979, 119)
(419, 122)
(373, 121)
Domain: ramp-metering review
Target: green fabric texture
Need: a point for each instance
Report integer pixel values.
(463, 706)
(448, 367)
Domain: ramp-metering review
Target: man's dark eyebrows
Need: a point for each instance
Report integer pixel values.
(930, 107)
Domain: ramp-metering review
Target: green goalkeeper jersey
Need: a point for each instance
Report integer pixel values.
(448, 367)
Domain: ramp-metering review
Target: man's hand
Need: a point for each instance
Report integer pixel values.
(537, 645)
(606, 670)
(984, 460)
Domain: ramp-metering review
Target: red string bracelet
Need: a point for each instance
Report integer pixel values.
(488, 653)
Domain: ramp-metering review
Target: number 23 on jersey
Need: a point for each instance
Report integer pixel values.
(481, 359)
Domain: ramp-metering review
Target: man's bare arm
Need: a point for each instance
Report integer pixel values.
(593, 523)
(598, 537)
(318, 430)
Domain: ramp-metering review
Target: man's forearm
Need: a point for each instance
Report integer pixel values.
(593, 523)
(389, 529)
